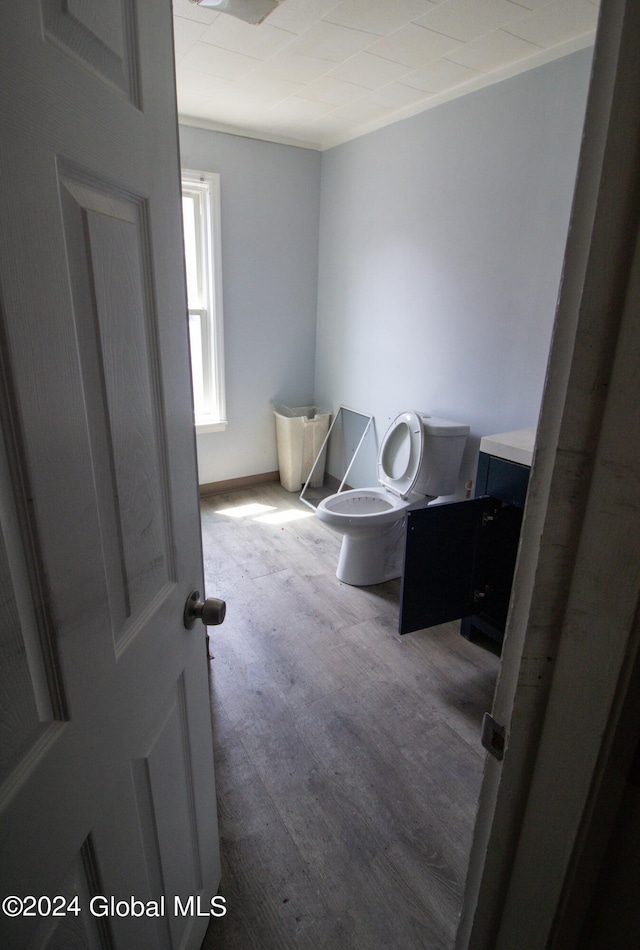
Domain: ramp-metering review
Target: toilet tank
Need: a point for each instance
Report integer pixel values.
(443, 446)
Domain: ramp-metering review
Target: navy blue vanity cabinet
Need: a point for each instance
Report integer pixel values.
(460, 556)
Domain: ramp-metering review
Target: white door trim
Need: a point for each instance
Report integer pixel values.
(572, 632)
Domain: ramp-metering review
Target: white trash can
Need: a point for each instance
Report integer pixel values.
(300, 432)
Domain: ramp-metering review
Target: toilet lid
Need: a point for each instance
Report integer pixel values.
(400, 456)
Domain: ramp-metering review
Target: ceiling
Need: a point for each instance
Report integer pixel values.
(320, 72)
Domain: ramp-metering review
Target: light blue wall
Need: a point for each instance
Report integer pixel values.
(441, 246)
(269, 207)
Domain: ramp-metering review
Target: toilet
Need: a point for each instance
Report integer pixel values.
(419, 460)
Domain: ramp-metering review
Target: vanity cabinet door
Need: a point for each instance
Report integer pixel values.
(447, 548)
(494, 575)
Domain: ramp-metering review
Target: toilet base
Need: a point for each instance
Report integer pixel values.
(367, 561)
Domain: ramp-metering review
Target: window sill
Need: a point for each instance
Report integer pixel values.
(203, 425)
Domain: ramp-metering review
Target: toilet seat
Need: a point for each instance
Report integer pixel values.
(400, 455)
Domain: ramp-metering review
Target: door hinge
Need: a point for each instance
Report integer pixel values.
(493, 737)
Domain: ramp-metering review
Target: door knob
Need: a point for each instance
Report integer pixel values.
(211, 611)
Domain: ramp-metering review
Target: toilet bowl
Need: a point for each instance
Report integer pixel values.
(419, 460)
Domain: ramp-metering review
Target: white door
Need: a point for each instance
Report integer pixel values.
(107, 772)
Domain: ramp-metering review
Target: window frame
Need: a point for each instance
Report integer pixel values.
(204, 188)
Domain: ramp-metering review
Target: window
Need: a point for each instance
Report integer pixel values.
(201, 221)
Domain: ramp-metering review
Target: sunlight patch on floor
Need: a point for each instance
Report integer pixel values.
(246, 511)
(258, 513)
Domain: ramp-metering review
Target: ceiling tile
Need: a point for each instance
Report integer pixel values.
(440, 76)
(298, 15)
(228, 110)
(414, 46)
(333, 91)
(240, 37)
(365, 69)
(186, 32)
(220, 62)
(363, 111)
(270, 87)
(292, 133)
(378, 16)
(493, 52)
(467, 19)
(397, 95)
(191, 105)
(223, 95)
(331, 126)
(200, 84)
(295, 107)
(328, 41)
(215, 101)
(297, 131)
(557, 22)
(291, 66)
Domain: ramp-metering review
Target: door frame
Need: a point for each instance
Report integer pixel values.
(573, 634)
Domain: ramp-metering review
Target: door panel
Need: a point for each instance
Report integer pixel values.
(108, 785)
(99, 35)
(172, 808)
(440, 559)
(108, 248)
(84, 932)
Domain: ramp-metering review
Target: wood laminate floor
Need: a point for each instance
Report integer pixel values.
(348, 760)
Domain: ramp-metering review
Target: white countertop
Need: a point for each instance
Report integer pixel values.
(514, 446)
